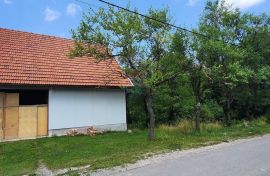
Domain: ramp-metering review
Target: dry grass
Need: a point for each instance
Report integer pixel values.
(211, 126)
(186, 126)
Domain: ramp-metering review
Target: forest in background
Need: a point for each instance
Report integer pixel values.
(234, 72)
(218, 71)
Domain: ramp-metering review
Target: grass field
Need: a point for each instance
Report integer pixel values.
(112, 149)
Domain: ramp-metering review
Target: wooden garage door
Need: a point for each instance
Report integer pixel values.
(1, 115)
(11, 113)
(33, 121)
(42, 127)
(21, 121)
(27, 122)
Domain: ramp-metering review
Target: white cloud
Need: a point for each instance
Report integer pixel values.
(8, 1)
(243, 4)
(51, 15)
(72, 9)
(191, 2)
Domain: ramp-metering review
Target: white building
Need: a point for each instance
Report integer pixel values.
(44, 92)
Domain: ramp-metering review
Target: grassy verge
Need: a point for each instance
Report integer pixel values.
(112, 149)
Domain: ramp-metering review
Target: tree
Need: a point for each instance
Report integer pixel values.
(138, 43)
(223, 55)
(253, 98)
(185, 46)
(170, 94)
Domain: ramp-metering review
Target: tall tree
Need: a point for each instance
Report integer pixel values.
(253, 98)
(223, 54)
(186, 46)
(138, 43)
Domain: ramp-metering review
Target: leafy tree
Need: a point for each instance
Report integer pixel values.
(222, 54)
(186, 47)
(253, 98)
(175, 95)
(138, 43)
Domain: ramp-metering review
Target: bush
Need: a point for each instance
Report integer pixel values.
(267, 115)
(268, 119)
(211, 111)
(260, 121)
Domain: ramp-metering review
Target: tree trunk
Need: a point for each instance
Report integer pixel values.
(248, 114)
(172, 113)
(196, 87)
(227, 109)
(198, 114)
(150, 113)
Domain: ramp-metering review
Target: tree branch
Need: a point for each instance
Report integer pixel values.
(167, 79)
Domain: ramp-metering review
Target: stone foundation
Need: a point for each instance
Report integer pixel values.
(104, 128)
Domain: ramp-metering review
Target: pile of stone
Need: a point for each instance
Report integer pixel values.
(73, 132)
(91, 131)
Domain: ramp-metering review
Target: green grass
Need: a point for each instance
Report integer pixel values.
(112, 149)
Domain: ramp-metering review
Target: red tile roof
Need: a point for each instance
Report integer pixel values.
(35, 59)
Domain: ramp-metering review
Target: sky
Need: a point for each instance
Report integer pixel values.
(58, 17)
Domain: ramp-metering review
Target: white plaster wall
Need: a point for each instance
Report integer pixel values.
(86, 107)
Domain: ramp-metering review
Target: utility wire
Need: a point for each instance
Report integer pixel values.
(145, 16)
(157, 20)
(87, 3)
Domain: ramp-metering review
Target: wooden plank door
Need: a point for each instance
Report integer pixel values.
(42, 121)
(11, 122)
(11, 116)
(28, 121)
(2, 96)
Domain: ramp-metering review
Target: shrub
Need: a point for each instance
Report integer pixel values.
(267, 116)
(211, 111)
(260, 121)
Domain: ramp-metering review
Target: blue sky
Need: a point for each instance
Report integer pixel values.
(57, 17)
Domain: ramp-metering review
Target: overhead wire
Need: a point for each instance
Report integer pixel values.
(157, 20)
